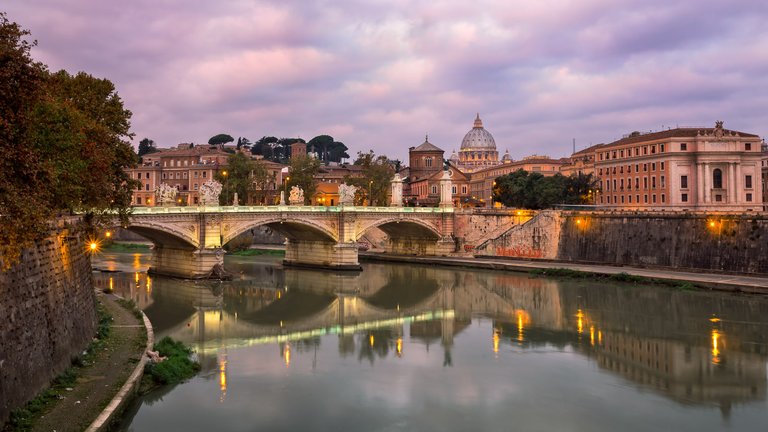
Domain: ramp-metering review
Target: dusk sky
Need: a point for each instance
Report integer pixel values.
(380, 74)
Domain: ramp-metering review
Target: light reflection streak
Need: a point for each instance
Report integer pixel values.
(214, 346)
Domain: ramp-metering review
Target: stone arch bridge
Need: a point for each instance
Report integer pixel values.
(188, 240)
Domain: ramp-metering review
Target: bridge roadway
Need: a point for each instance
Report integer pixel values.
(188, 241)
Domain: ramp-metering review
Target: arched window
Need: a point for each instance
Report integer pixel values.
(717, 179)
(428, 162)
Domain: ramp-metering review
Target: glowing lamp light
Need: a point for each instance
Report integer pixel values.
(93, 246)
(108, 234)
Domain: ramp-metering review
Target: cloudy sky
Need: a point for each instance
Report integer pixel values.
(380, 74)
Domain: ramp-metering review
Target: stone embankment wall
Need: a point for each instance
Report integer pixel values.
(474, 227)
(48, 316)
(716, 242)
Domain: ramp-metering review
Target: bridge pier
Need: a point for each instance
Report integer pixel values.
(320, 254)
(185, 263)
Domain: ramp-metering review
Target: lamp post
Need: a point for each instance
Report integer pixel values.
(226, 187)
(370, 189)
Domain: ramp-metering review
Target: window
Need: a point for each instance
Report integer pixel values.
(683, 146)
(645, 167)
(621, 184)
(146, 186)
(653, 166)
(622, 199)
(637, 199)
(204, 173)
(629, 197)
(653, 150)
(463, 190)
(453, 189)
(653, 182)
(637, 184)
(434, 189)
(195, 200)
(428, 162)
(178, 176)
(645, 182)
(645, 199)
(197, 174)
(138, 200)
(653, 198)
(684, 197)
(629, 169)
(747, 146)
(662, 166)
(684, 182)
(614, 154)
(749, 197)
(748, 182)
(184, 175)
(165, 175)
(609, 199)
(621, 153)
(147, 176)
(718, 198)
(663, 182)
(614, 184)
(663, 198)
(661, 147)
(645, 152)
(717, 178)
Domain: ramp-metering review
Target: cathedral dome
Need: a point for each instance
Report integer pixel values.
(478, 138)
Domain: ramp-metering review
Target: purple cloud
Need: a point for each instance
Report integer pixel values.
(380, 74)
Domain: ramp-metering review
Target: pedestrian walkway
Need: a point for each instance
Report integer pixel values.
(102, 378)
(756, 284)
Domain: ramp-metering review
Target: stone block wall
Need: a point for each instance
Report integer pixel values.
(535, 238)
(727, 242)
(721, 242)
(48, 313)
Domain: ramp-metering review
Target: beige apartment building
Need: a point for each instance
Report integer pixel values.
(185, 166)
(709, 169)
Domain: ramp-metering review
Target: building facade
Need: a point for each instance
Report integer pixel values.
(706, 169)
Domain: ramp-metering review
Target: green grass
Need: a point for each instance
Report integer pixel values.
(23, 418)
(177, 367)
(618, 277)
(256, 252)
(126, 247)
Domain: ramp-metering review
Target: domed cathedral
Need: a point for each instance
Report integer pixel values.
(478, 149)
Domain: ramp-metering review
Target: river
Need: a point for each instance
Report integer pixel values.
(401, 347)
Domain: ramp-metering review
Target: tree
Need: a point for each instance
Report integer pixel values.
(373, 187)
(146, 146)
(65, 141)
(529, 190)
(220, 139)
(302, 171)
(581, 189)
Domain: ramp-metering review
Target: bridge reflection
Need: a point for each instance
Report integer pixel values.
(692, 347)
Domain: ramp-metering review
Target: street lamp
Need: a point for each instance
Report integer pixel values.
(226, 187)
(370, 188)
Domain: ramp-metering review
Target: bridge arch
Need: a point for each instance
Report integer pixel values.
(291, 228)
(169, 235)
(396, 227)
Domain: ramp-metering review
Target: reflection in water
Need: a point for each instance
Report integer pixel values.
(654, 338)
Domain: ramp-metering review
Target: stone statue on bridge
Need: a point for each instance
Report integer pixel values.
(297, 196)
(209, 193)
(165, 194)
(347, 194)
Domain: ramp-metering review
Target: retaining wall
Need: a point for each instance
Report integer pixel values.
(48, 312)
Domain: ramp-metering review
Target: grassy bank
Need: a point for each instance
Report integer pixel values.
(258, 252)
(126, 247)
(177, 365)
(23, 418)
(565, 273)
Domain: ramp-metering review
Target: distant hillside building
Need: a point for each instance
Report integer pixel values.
(682, 169)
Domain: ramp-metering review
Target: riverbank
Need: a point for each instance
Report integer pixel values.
(725, 282)
(94, 381)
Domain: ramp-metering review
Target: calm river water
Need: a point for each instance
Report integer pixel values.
(402, 347)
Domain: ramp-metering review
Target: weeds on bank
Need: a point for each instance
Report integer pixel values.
(126, 247)
(131, 306)
(618, 277)
(255, 252)
(177, 367)
(23, 418)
